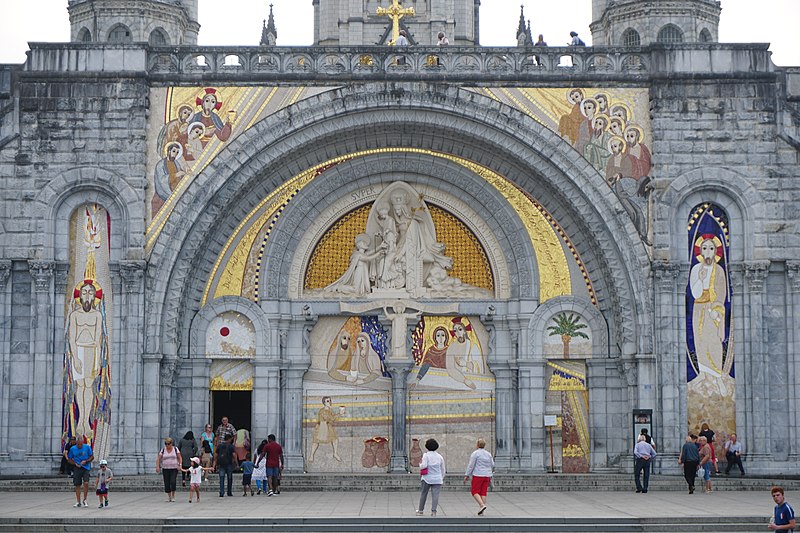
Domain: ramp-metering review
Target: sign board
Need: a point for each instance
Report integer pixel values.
(550, 420)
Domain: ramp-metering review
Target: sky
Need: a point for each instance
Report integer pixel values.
(238, 22)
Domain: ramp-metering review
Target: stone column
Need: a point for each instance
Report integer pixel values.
(505, 384)
(756, 364)
(5, 342)
(266, 397)
(293, 417)
(399, 370)
(534, 451)
(126, 366)
(151, 408)
(670, 354)
(42, 389)
(793, 349)
(169, 368)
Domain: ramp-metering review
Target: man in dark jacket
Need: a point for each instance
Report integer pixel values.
(224, 463)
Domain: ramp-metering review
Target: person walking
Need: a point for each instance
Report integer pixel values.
(274, 453)
(481, 468)
(705, 461)
(733, 454)
(104, 477)
(224, 430)
(706, 432)
(66, 467)
(689, 458)
(643, 454)
(80, 457)
(188, 448)
(432, 471)
(224, 463)
(247, 475)
(260, 470)
(195, 477)
(783, 516)
(168, 462)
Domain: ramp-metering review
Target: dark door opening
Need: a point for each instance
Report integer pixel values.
(236, 405)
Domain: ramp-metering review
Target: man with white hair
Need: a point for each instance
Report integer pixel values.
(643, 453)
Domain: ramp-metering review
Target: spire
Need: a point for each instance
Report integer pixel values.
(269, 34)
(523, 33)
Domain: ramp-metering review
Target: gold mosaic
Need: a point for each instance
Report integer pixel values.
(331, 256)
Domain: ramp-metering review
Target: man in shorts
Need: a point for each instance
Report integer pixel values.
(274, 464)
(81, 457)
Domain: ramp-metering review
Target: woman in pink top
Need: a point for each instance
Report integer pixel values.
(168, 462)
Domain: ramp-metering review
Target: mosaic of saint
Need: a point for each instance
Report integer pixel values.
(347, 396)
(86, 400)
(709, 342)
(451, 390)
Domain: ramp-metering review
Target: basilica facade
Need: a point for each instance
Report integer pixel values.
(359, 246)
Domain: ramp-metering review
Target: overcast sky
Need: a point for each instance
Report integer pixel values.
(238, 22)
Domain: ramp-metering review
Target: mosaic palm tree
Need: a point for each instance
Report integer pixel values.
(568, 327)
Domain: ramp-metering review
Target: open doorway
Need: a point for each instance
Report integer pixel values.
(236, 405)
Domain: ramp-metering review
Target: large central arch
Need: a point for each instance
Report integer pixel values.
(433, 117)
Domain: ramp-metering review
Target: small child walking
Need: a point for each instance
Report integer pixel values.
(247, 474)
(104, 478)
(260, 472)
(195, 477)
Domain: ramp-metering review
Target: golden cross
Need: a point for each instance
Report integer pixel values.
(395, 12)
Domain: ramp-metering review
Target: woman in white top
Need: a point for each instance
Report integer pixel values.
(481, 467)
(432, 472)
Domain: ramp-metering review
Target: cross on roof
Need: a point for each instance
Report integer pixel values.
(395, 11)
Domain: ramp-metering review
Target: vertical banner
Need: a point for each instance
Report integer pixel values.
(709, 337)
(86, 401)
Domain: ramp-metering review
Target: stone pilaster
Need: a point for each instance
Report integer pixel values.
(533, 449)
(793, 341)
(293, 418)
(505, 385)
(151, 405)
(126, 366)
(5, 343)
(40, 430)
(756, 361)
(266, 397)
(670, 355)
(399, 371)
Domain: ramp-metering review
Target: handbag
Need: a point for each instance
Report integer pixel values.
(423, 471)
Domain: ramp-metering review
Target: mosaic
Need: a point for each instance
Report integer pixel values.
(710, 370)
(86, 393)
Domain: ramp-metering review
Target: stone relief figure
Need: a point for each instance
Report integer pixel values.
(399, 255)
(709, 287)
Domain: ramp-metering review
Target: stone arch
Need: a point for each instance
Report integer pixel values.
(84, 35)
(196, 336)
(595, 320)
(119, 33)
(58, 199)
(670, 34)
(724, 187)
(631, 37)
(158, 37)
(509, 261)
(390, 114)
(705, 36)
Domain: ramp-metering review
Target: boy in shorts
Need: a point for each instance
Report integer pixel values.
(104, 478)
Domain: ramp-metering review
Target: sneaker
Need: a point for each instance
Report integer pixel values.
(483, 510)
(106, 503)
(85, 504)
(433, 513)
(419, 513)
(259, 491)
(270, 493)
(100, 506)
(78, 505)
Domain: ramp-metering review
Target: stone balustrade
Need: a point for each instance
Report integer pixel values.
(454, 63)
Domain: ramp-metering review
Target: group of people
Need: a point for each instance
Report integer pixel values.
(697, 455)
(222, 452)
(79, 457)
(432, 471)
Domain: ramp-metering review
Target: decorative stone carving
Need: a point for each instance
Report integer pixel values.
(756, 274)
(793, 273)
(5, 271)
(42, 272)
(132, 273)
(398, 255)
(665, 274)
(168, 369)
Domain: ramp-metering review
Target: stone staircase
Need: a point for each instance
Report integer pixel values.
(504, 482)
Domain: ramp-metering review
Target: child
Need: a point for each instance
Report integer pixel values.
(247, 474)
(205, 457)
(104, 477)
(195, 477)
(260, 472)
